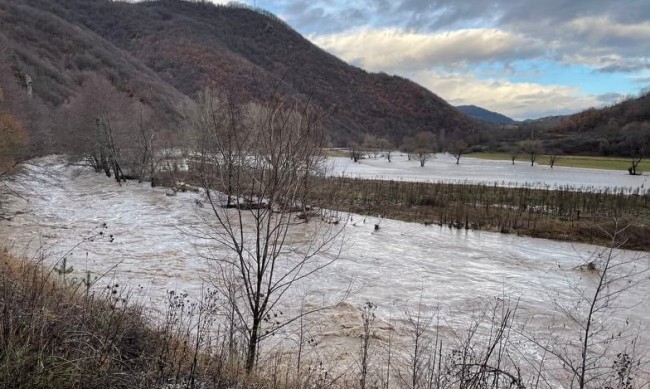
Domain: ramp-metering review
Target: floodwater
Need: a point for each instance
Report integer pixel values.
(397, 266)
(443, 168)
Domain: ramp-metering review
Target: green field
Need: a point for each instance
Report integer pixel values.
(610, 163)
(337, 152)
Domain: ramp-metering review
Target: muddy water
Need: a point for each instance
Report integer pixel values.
(397, 267)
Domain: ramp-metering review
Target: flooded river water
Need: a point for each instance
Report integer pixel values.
(397, 267)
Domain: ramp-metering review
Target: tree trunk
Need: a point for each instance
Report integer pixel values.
(252, 345)
(105, 165)
(632, 169)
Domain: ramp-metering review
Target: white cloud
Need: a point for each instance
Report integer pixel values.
(422, 56)
(602, 28)
(605, 45)
(392, 49)
(517, 100)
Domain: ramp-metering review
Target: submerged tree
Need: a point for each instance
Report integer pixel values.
(638, 141)
(256, 163)
(425, 145)
(532, 148)
(408, 146)
(514, 153)
(386, 147)
(553, 157)
(457, 148)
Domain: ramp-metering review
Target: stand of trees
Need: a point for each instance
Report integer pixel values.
(113, 132)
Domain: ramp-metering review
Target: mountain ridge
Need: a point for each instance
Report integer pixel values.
(485, 115)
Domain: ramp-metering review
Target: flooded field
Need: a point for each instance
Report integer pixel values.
(443, 168)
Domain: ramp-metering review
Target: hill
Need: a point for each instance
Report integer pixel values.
(622, 129)
(485, 115)
(163, 51)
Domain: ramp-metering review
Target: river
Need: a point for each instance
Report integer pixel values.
(398, 266)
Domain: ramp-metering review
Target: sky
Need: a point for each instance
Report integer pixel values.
(522, 58)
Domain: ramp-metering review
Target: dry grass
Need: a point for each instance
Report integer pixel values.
(563, 214)
(55, 333)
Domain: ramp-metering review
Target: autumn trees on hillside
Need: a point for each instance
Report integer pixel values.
(13, 138)
(13, 134)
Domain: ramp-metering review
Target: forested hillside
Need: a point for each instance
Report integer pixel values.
(621, 129)
(159, 52)
(484, 115)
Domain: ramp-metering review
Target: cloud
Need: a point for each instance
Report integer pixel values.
(436, 61)
(569, 29)
(481, 51)
(606, 45)
(601, 29)
(322, 17)
(397, 50)
(517, 100)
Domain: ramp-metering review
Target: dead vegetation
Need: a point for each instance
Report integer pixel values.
(564, 214)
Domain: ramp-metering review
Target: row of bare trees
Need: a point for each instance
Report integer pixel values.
(419, 147)
(113, 132)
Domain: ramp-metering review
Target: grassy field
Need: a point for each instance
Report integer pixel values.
(337, 152)
(610, 163)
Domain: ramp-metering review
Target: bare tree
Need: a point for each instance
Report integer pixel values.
(422, 358)
(532, 148)
(255, 163)
(143, 156)
(553, 157)
(480, 357)
(514, 153)
(100, 127)
(425, 146)
(371, 145)
(355, 152)
(408, 146)
(457, 148)
(591, 358)
(638, 140)
(386, 147)
(368, 317)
